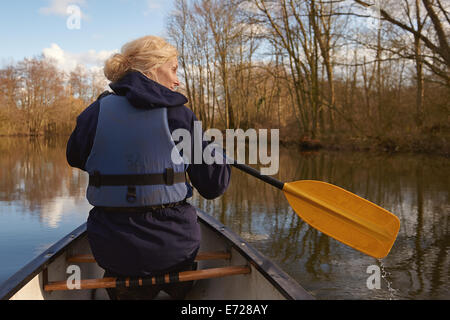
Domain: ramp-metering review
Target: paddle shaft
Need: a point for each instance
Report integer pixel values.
(274, 182)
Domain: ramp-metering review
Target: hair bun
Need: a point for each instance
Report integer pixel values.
(116, 67)
(145, 55)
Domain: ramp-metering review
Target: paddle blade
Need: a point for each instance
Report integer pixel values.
(344, 216)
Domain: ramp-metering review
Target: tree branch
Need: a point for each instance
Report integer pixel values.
(442, 50)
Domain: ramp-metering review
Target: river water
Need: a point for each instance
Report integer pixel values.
(42, 199)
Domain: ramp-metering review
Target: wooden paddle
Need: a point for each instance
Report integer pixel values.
(338, 213)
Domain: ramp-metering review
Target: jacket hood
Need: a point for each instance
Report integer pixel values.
(145, 93)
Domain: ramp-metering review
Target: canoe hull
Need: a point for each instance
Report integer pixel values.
(266, 281)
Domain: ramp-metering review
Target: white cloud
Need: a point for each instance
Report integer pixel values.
(59, 7)
(68, 61)
(152, 6)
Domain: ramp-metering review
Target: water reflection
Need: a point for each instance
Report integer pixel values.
(41, 199)
(415, 188)
(34, 171)
(36, 184)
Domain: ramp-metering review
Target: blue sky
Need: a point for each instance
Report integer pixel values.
(31, 27)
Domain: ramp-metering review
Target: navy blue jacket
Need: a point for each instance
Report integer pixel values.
(144, 244)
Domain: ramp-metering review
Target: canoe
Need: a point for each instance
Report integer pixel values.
(229, 268)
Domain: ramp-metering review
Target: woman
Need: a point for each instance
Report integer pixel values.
(141, 224)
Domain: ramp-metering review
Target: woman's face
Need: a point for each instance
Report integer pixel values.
(167, 74)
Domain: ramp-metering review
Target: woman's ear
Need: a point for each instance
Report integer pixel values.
(151, 75)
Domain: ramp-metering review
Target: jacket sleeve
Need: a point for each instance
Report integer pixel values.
(82, 138)
(210, 180)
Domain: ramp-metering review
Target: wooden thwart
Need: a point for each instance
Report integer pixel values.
(138, 282)
(89, 258)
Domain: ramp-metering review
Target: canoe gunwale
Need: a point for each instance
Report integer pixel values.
(286, 285)
(11, 286)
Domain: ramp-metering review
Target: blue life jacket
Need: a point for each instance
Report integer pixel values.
(130, 163)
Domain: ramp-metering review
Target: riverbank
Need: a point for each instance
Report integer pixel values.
(430, 144)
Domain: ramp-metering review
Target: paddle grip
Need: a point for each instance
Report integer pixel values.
(274, 182)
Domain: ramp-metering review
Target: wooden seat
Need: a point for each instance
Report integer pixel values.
(139, 282)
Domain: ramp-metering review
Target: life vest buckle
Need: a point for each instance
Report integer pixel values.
(131, 194)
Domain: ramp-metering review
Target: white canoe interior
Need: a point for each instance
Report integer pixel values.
(263, 280)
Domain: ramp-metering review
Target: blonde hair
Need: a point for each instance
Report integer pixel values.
(145, 55)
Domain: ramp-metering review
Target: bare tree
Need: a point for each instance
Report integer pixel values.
(436, 40)
(9, 86)
(40, 87)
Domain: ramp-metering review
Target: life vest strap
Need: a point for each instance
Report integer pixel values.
(169, 177)
(142, 209)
